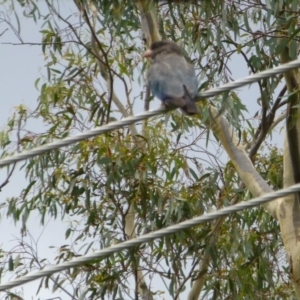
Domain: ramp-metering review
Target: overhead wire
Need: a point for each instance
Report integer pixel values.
(162, 232)
(149, 237)
(144, 115)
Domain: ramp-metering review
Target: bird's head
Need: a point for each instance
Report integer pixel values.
(162, 47)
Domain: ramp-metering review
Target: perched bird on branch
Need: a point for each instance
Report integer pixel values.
(171, 78)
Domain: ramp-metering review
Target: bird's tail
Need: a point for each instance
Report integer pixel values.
(190, 107)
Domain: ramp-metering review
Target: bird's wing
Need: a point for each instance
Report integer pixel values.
(185, 73)
(168, 75)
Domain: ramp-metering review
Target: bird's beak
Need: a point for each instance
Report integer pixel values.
(148, 53)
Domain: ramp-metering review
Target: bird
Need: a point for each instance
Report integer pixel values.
(171, 78)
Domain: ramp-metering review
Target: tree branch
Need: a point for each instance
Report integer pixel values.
(235, 150)
(264, 130)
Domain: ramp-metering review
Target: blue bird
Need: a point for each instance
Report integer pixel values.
(171, 78)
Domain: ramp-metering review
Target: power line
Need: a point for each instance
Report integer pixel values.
(250, 79)
(150, 236)
(79, 137)
(163, 232)
(133, 119)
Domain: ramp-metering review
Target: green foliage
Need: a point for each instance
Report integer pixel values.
(173, 170)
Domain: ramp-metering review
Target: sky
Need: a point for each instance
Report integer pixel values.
(20, 66)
